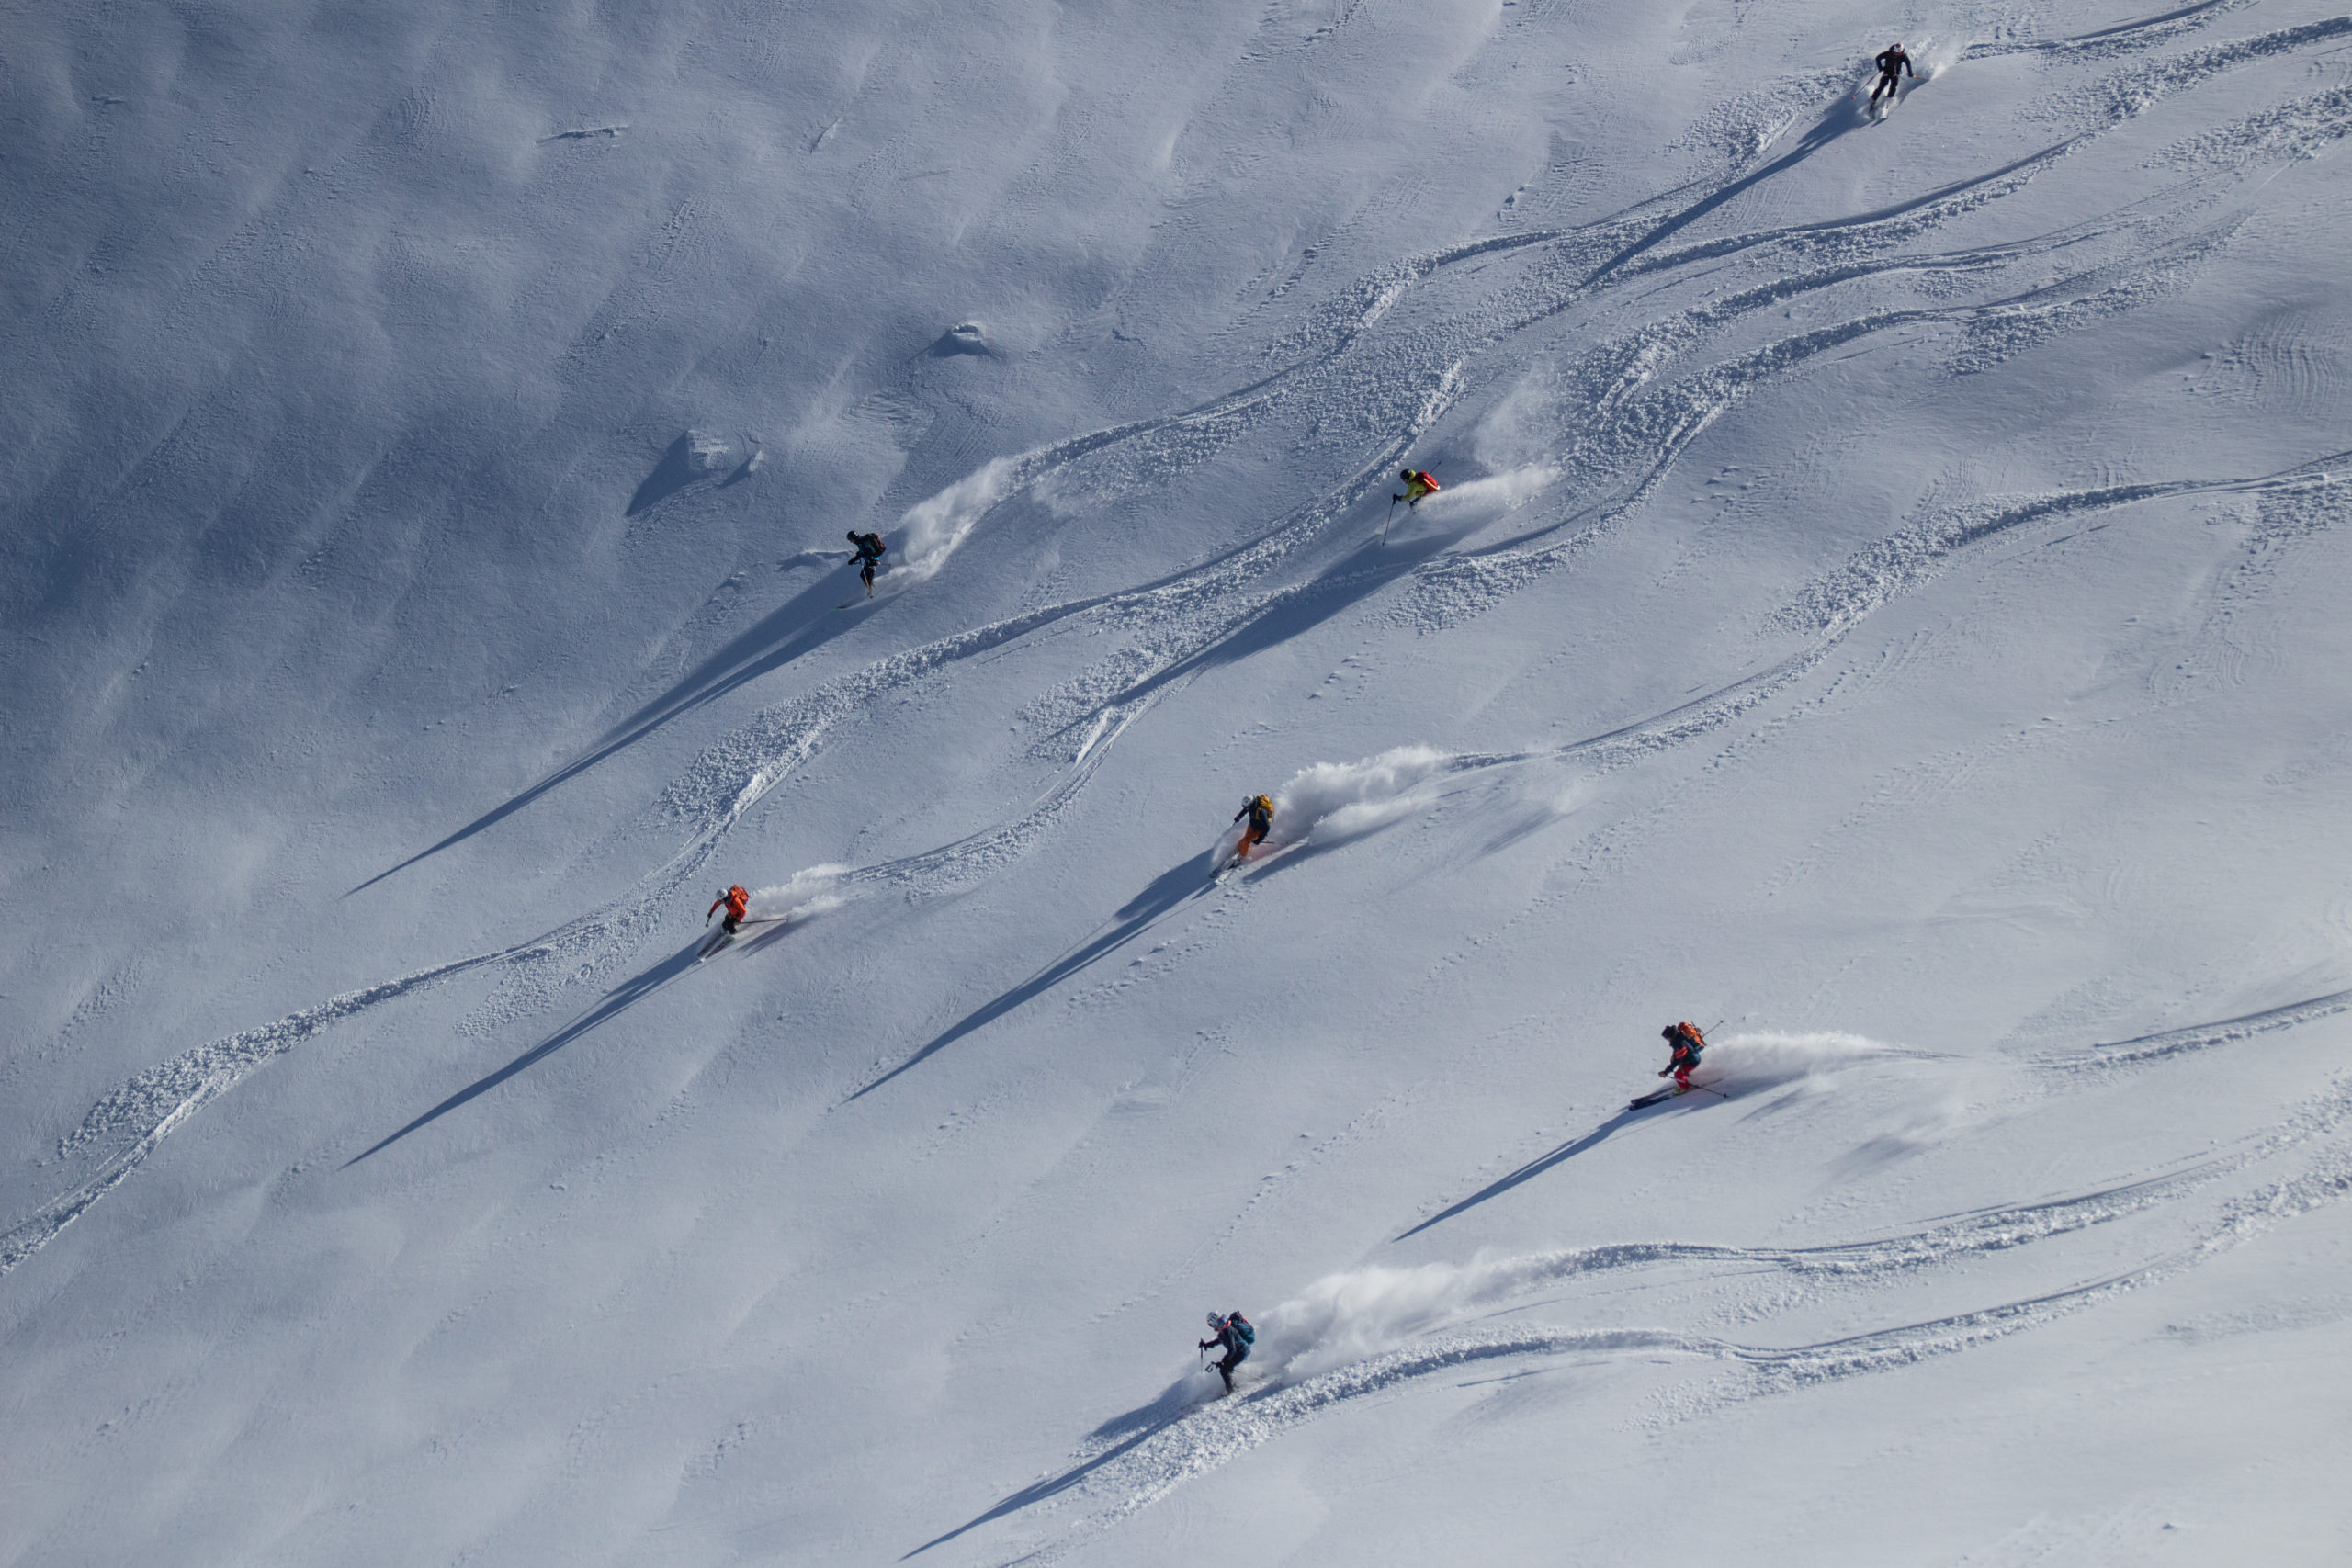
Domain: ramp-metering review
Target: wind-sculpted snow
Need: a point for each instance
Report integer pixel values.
(1631, 432)
(1980, 696)
(1632, 429)
(1632, 424)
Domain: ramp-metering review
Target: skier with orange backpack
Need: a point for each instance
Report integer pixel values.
(1686, 1041)
(736, 902)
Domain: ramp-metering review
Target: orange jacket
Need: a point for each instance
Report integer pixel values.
(735, 901)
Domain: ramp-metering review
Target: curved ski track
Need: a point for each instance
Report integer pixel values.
(1135, 1460)
(1634, 420)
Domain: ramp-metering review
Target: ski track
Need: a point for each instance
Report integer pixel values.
(2301, 129)
(2132, 92)
(1118, 1474)
(137, 1117)
(2123, 38)
(2203, 1036)
(1635, 426)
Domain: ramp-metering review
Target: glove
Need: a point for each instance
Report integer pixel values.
(1665, 1072)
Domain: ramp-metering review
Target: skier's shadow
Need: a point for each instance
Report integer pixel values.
(1187, 879)
(1141, 1425)
(1531, 1170)
(1354, 577)
(618, 1000)
(801, 627)
(1836, 121)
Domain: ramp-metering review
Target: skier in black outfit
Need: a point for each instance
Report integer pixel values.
(870, 549)
(1893, 65)
(1233, 1331)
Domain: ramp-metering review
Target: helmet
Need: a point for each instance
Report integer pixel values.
(1668, 1033)
(1404, 473)
(1215, 1322)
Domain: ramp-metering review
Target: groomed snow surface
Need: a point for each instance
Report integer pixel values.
(1888, 595)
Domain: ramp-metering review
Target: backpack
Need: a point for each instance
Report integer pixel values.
(1241, 1329)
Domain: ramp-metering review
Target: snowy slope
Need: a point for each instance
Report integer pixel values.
(1885, 595)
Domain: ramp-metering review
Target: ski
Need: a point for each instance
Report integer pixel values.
(887, 590)
(1668, 1092)
(727, 939)
(1235, 865)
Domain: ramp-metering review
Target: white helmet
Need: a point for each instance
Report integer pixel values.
(1215, 1322)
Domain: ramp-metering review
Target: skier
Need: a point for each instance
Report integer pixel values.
(1417, 485)
(1892, 65)
(736, 902)
(1233, 1331)
(870, 549)
(1260, 812)
(1686, 1041)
